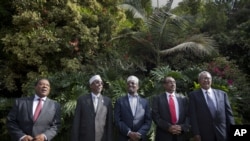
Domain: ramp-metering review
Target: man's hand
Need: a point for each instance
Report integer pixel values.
(197, 138)
(27, 138)
(175, 129)
(40, 137)
(134, 136)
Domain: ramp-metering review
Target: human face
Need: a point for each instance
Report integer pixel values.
(132, 87)
(96, 86)
(205, 80)
(42, 88)
(170, 84)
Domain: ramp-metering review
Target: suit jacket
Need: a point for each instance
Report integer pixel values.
(91, 126)
(162, 118)
(202, 122)
(20, 119)
(125, 121)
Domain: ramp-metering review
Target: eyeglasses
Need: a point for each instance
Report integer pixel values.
(170, 82)
(206, 78)
(98, 82)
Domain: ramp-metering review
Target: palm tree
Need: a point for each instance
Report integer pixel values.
(164, 34)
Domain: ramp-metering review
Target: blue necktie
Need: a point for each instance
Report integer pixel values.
(210, 104)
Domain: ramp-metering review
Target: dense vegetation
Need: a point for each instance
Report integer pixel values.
(69, 40)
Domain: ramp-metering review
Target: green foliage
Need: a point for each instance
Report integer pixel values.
(5, 106)
(51, 36)
(68, 41)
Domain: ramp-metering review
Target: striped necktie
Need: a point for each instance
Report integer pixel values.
(210, 104)
(38, 109)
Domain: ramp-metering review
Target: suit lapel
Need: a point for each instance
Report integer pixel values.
(100, 104)
(90, 104)
(30, 107)
(126, 102)
(216, 96)
(202, 97)
(164, 101)
(138, 106)
(179, 102)
(45, 106)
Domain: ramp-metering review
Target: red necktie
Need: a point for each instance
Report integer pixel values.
(172, 109)
(38, 109)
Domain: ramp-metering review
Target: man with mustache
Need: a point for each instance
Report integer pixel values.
(93, 119)
(132, 114)
(210, 111)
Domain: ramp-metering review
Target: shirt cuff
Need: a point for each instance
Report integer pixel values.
(21, 138)
(45, 137)
(128, 132)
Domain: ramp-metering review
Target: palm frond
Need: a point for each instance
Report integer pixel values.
(165, 25)
(137, 13)
(197, 44)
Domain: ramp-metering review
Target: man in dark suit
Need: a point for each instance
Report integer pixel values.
(25, 123)
(93, 115)
(132, 114)
(210, 111)
(170, 113)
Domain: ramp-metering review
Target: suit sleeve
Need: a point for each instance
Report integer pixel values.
(110, 122)
(186, 125)
(76, 125)
(192, 115)
(161, 123)
(12, 123)
(123, 128)
(229, 113)
(147, 121)
(56, 123)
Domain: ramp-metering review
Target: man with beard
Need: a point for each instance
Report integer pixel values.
(93, 120)
(132, 114)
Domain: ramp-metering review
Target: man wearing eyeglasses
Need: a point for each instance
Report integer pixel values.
(132, 114)
(210, 111)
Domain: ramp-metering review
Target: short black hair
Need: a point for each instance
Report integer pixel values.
(38, 80)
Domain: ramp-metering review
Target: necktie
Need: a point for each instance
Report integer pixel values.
(172, 109)
(210, 104)
(38, 109)
(95, 102)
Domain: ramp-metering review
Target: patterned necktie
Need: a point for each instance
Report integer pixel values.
(210, 104)
(172, 109)
(95, 102)
(38, 109)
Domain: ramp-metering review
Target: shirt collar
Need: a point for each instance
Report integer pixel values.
(170, 94)
(135, 95)
(208, 90)
(93, 95)
(37, 97)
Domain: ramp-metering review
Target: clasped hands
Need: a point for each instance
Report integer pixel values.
(175, 129)
(36, 138)
(134, 136)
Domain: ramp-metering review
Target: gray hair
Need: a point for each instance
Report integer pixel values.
(204, 72)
